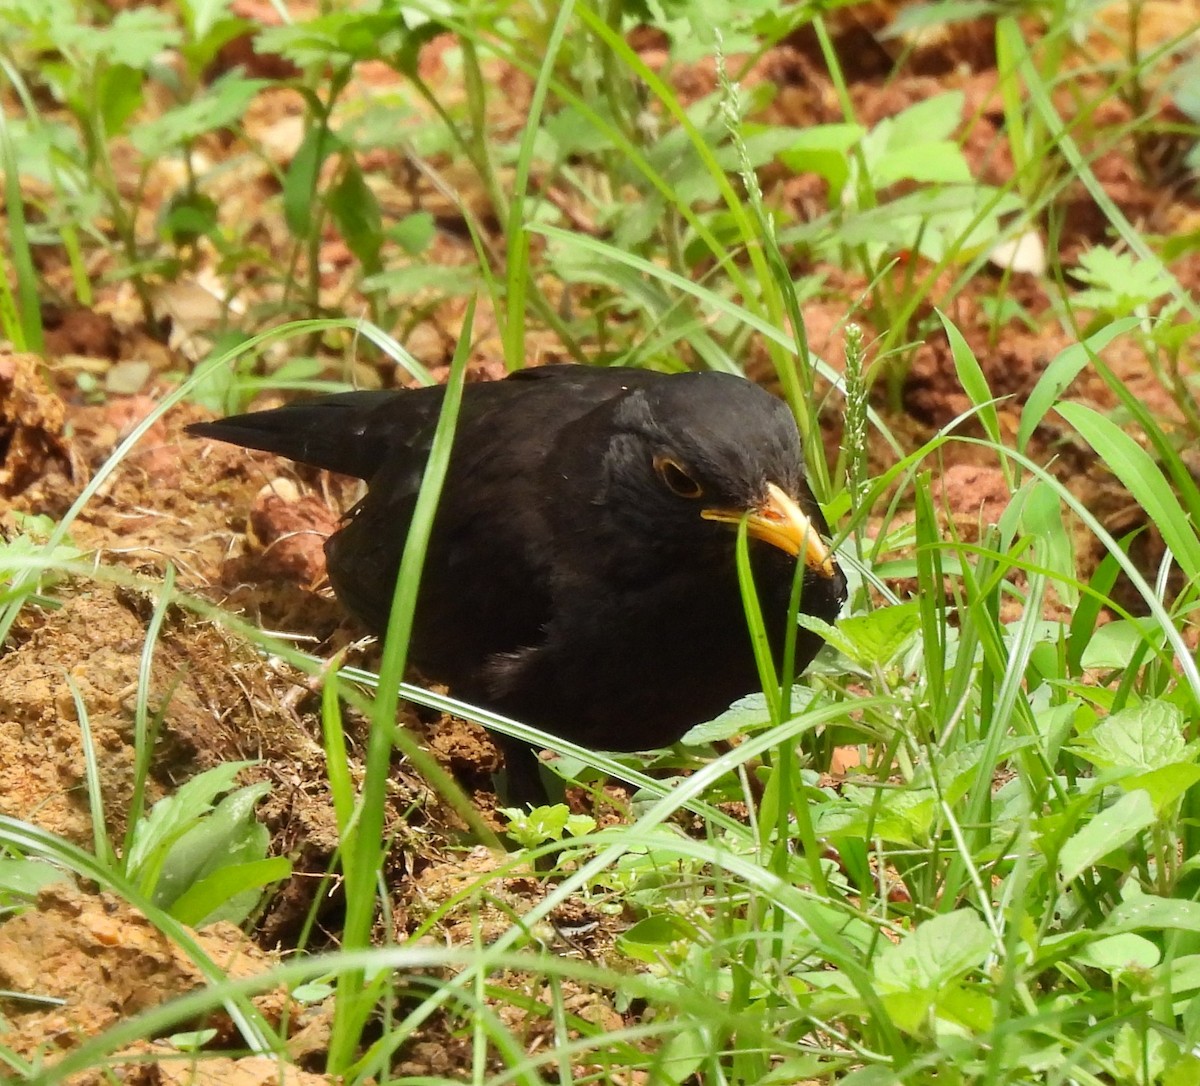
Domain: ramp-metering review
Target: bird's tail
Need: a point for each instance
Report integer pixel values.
(331, 432)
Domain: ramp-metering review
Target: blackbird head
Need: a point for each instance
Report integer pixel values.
(687, 458)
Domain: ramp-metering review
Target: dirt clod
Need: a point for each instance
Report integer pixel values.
(105, 962)
(33, 449)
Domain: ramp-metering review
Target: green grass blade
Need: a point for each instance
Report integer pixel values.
(1063, 369)
(974, 383)
(363, 849)
(91, 769)
(513, 332)
(1139, 474)
(143, 732)
(28, 304)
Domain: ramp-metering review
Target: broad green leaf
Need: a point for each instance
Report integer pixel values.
(1183, 974)
(910, 1010)
(1143, 737)
(956, 771)
(875, 638)
(903, 816)
(660, 930)
(27, 878)
(189, 215)
(1140, 1054)
(1109, 830)
(118, 94)
(1120, 283)
(414, 232)
(204, 15)
(682, 1056)
(356, 213)
(824, 150)
(222, 106)
(1166, 785)
(230, 893)
(935, 953)
(405, 282)
(227, 835)
(191, 1040)
(659, 939)
(1154, 914)
(745, 714)
(1115, 644)
(936, 163)
(300, 181)
(963, 219)
(134, 37)
(931, 121)
(139, 34)
(336, 37)
(918, 17)
(172, 815)
(968, 1006)
(550, 822)
(1118, 953)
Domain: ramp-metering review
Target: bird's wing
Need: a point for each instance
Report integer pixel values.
(486, 587)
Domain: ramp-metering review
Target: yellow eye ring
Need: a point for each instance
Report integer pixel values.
(678, 481)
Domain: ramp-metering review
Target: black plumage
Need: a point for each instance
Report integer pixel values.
(581, 571)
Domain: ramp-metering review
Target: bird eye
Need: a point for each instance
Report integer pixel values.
(678, 481)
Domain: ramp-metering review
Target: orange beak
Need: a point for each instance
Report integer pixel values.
(779, 521)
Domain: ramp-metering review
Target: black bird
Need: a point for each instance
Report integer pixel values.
(581, 573)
